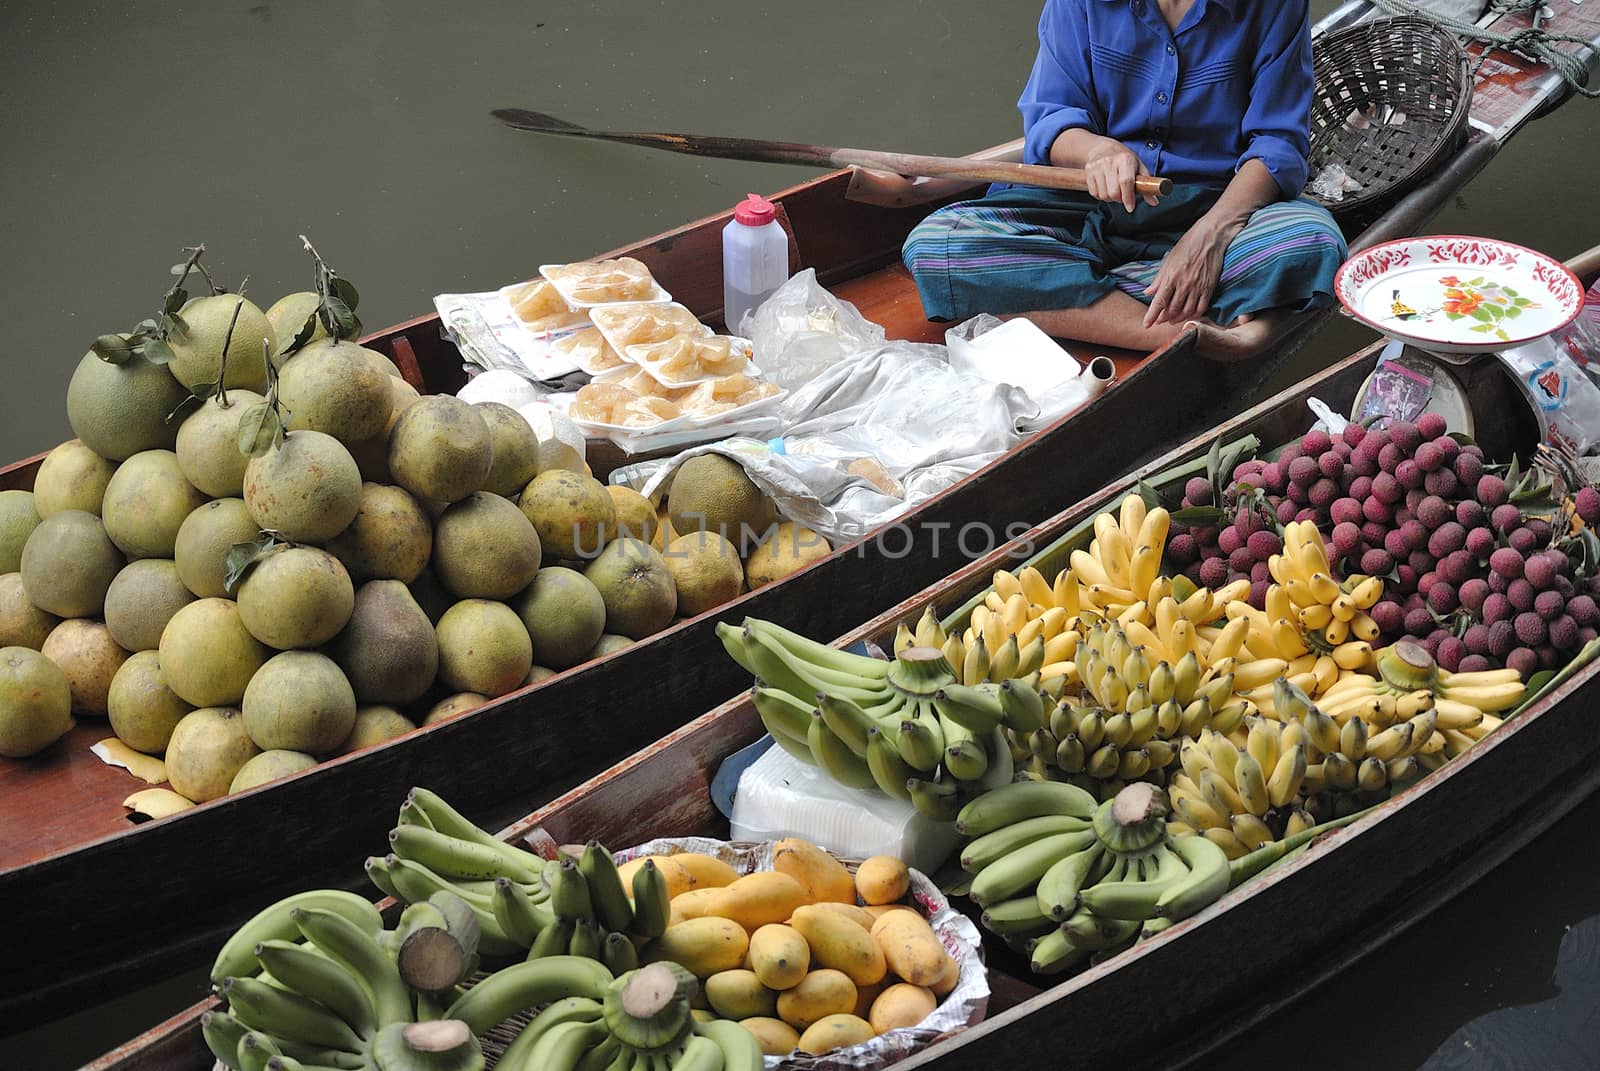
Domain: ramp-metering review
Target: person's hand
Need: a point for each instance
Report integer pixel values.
(1188, 277)
(1111, 168)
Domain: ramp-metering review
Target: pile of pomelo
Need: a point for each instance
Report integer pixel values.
(264, 548)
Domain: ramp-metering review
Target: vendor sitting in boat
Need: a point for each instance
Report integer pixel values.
(1214, 94)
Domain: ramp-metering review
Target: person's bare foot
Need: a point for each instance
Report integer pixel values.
(1242, 340)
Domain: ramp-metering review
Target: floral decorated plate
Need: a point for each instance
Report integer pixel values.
(1458, 294)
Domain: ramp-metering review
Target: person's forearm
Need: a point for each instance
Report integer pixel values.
(1251, 187)
(1073, 146)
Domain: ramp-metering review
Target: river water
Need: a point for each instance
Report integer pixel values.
(132, 130)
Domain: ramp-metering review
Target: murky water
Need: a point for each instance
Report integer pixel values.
(130, 131)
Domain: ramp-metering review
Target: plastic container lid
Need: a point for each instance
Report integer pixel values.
(755, 211)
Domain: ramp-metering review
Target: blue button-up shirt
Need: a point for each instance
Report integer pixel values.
(1233, 83)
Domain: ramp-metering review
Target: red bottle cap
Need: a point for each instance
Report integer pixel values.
(755, 211)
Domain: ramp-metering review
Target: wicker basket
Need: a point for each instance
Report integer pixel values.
(1391, 101)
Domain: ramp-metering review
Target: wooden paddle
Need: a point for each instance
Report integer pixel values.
(788, 152)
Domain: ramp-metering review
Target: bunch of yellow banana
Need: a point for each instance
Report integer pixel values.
(1015, 654)
(1406, 674)
(1331, 613)
(1124, 724)
(1242, 797)
(1122, 567)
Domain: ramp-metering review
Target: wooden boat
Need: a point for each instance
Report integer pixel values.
(63, 834)
(1173, 998)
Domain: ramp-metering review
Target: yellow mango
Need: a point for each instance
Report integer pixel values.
(824, 877)
(835, 1032)
(758, 899)
(739, 994)
(839, 943)
(708, 871)
(902, 1004)
(702, 946)
(776, 1037)
(779, 956)
(867, 994)
(819, 994)
(857, 915)
(883, 879)
(692, 904)
(946, 981)
(910, 947)
(679, 879)
(877, 911)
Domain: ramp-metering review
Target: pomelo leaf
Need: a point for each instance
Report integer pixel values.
(302, 336)
(240, 558)
(175, 300)
(259, 430)
(156, 351)
(343, 289)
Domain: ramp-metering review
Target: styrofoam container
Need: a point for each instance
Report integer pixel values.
(780, 796)
(563, 287)
(742, 345)
(607, 314)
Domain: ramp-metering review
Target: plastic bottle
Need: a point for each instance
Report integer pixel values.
(755, 258)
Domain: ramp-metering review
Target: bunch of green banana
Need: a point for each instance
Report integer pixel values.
(434, 849)
(1063, 878)
(907, 726)
(591, 914)
(1126, 723)
(642, 1020)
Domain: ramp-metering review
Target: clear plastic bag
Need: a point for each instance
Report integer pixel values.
(802, 330)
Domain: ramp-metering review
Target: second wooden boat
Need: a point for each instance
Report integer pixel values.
(1170, 1000)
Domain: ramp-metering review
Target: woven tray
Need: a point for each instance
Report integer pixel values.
(1391, 102)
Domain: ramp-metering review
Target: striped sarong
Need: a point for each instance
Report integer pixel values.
(1030, 250)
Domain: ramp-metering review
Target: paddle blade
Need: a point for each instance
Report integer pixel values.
(523, 119)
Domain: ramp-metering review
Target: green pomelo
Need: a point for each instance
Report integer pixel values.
(307, 490)
(637, 587)
(201, 549)
(197, 349)
(208, 655)
(453, 706)
(288, 315)
(706, 571)
(790, 548)
(118, 410)
(89, 657)
(636, 517)
(516, 449)
(71, 476)
(608, 643)
(564, 615)
(571, 512)
(68, 564)
(147, 502)
(484, 547)
(712, 493)
(142, 599)
(22, 624)
(206, 751)
(441, 449)
(299, 701)
(336, 388)
(389, 650)
(296, 597)
(143, 710)
(374, 725)
(208, 444)
(269, 766)
(431, 595)
(17, 522)
(391, 537)
(483, 648)
(35, 702)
